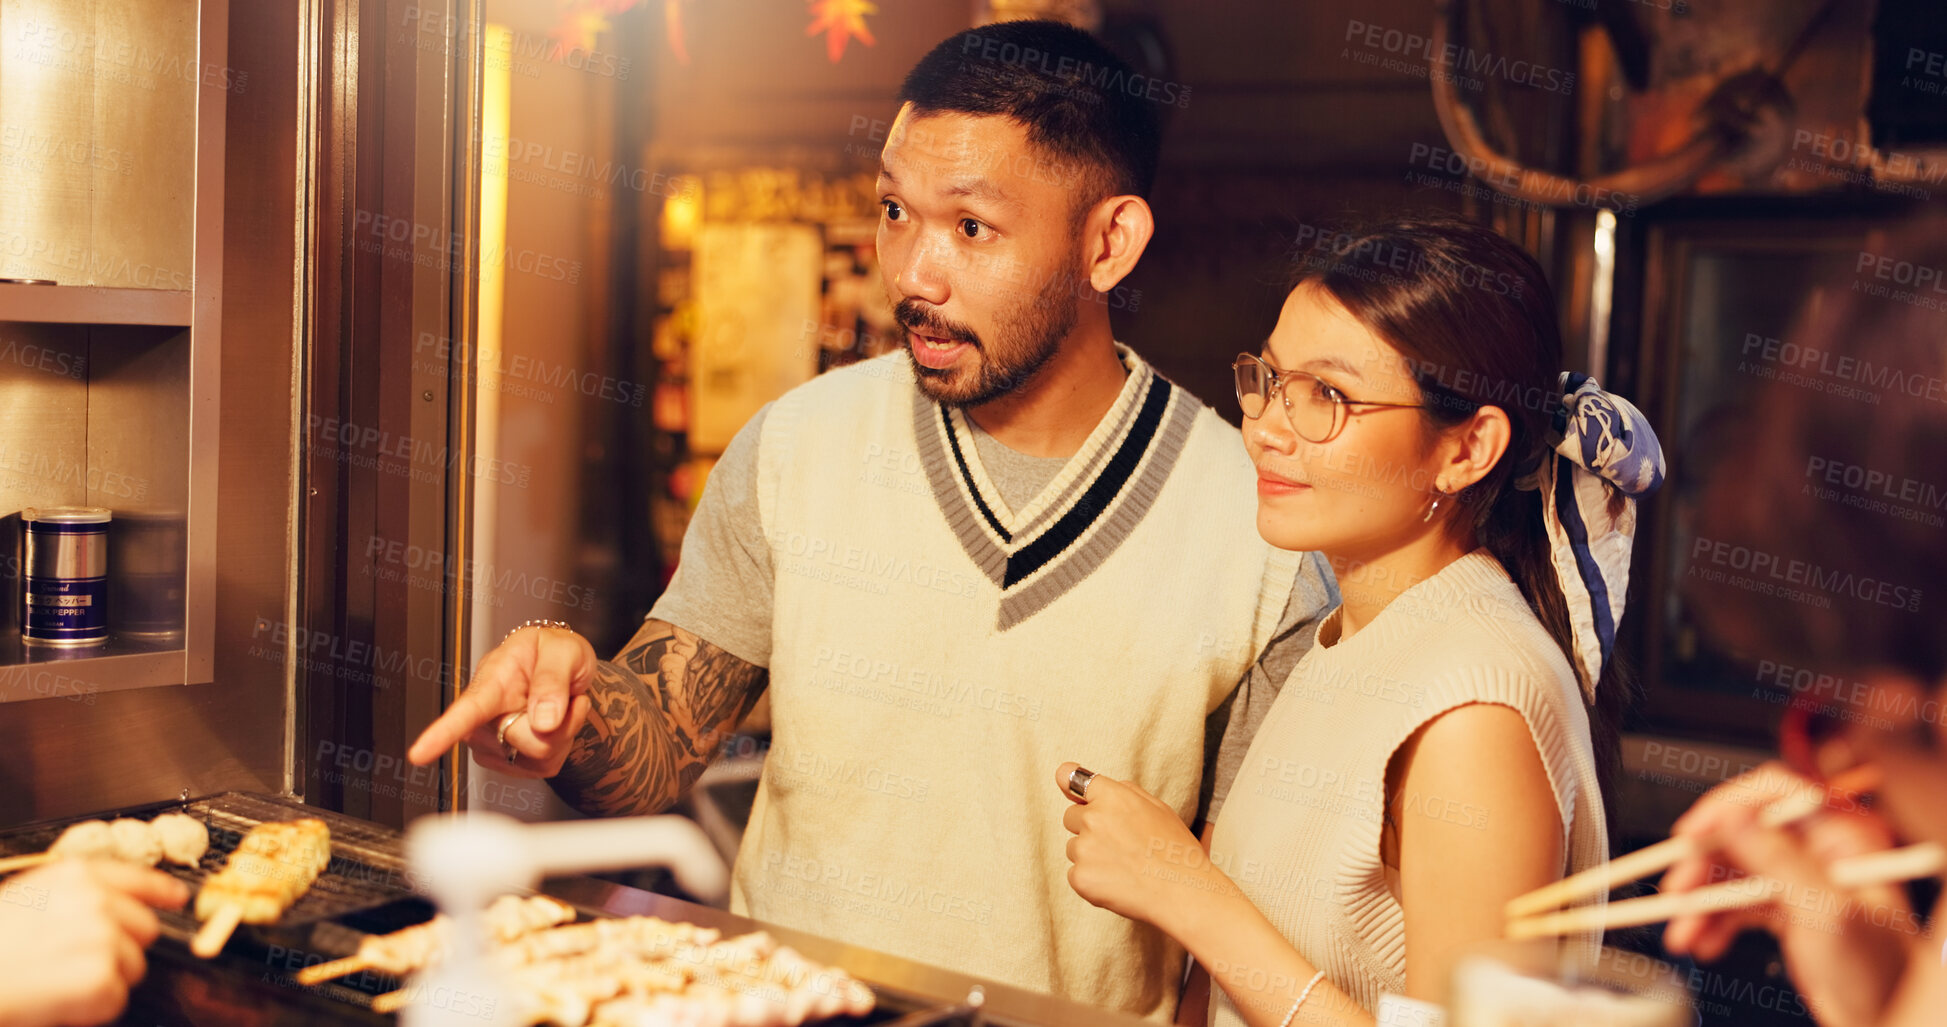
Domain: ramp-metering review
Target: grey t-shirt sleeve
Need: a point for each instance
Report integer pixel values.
(722, 589)
(1228, 731)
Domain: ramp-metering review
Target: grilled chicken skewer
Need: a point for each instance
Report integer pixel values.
(176, 837)
(747, 981)
(416, 947)
(271, 869)
(644, 970)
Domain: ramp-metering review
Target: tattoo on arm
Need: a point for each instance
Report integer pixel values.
(657, 715)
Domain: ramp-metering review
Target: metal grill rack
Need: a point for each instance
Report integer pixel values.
(366, 889)
(367, 870)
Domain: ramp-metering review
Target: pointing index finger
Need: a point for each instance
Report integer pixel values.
(486, 698)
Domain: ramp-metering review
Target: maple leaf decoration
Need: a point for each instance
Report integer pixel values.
(840, 20)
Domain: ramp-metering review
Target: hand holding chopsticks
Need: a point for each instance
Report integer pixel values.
(1532, 916)
(1894, 865)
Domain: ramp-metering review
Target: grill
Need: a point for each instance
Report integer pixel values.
(368, 865)
(366, 889)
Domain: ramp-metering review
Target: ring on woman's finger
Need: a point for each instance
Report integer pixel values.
(1078, 780)
(501, 735)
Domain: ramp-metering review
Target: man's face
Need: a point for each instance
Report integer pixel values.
(981, 251)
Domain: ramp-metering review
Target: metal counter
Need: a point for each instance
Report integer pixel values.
(366, 890)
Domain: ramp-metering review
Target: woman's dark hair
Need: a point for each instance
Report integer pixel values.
(1839, 484)
(1473, 316)
(1078, 101)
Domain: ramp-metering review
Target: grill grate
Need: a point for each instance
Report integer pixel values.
(360, 891)
(367, 869)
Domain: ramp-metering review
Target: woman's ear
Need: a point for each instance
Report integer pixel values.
(1473, 447)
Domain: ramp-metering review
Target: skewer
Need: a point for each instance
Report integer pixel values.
(623, 967)
(215, 932)
(32, 859)
(1889, 867)
(1602, 879)
(175, 837)
(390, 1002)
(509, 918)
(270, 870)
(318, 973)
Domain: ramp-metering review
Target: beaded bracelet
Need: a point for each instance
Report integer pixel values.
(1302, 996)
(524, 625)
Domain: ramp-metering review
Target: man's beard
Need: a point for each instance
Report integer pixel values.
(1033, 334)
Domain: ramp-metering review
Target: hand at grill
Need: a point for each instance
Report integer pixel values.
(540, 673)
(71, 939)
(1131, 855)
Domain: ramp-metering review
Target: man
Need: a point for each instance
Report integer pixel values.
(953, 569)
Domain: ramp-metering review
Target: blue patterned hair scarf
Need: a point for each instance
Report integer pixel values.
(1605, 446)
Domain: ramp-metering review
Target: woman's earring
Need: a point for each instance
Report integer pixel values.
(1435, 505)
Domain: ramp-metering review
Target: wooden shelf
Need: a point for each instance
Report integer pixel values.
(85, 304)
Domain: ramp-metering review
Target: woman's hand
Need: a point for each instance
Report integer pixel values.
(1131, 854)
(1845, 950)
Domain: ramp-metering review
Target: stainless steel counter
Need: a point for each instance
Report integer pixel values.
(1003, 1006)
(365, 889)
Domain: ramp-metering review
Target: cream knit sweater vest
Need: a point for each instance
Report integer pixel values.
(1300, 830)
(936, 655)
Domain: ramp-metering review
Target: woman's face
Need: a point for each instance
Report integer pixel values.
(1366, 490)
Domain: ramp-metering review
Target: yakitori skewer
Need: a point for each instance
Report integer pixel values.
(1891, 866)
(405, 951)
(646, 970)
(272, 867)
(1601, 880)
(176, 837)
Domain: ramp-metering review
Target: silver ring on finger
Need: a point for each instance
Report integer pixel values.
(1078, 780)
(501, 735)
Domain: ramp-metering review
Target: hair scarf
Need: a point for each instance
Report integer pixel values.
(1603, 445)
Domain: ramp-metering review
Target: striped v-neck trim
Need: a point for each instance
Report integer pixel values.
(1086, 521)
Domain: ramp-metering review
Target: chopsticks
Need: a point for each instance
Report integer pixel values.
(1601, 880)
(1669, 852)
(1893, 865)
(1537, 914)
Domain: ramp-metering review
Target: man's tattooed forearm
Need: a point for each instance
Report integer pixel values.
(656, 717)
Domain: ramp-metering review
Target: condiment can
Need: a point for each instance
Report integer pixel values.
(65, 598)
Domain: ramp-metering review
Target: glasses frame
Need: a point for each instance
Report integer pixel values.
(1281, 379)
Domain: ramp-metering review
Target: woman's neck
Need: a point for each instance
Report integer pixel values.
(1370, 580)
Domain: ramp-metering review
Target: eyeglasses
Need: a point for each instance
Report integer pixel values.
(1319, 411)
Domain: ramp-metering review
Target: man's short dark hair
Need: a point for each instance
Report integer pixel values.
(1078, 101)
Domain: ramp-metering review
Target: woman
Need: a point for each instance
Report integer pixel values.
(1801, 493)
(1435, 753)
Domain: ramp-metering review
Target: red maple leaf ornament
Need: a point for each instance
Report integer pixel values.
(841, 21)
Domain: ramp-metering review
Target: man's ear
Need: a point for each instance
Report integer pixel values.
(1118, 231)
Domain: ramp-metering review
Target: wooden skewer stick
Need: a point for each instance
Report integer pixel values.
(319, 973)
(1602, 879)
(215, 932)
(32, 859)
(1923, 860)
